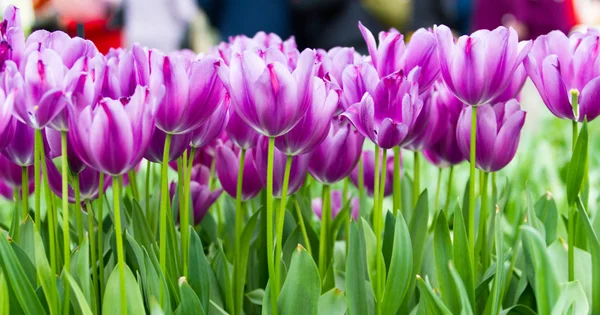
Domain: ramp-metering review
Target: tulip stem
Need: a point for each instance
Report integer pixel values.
(376, 220)
(270, 262)
(37, 185)
(472, 184)
(449, 190)
(25, 191)
(133, 184)
(188, 173)
(417, 178)
(361, 184)
(212, 185)
(280, 220)
(119, 237)
(324, 239)
(100, 234)
(238, 272)
(345, 199)
(16, 200)
(92, 238)
(65, 214)
(184, 213)
(164, 200)
(379, 231)
(437, 188)
(397, 182)
(483, 217)
(302, 226)
(572, 218)
(147, 191)
(78, 217)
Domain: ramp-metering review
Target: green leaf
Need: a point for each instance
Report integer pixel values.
(518, 309)
(571, 298)
(256, 296)
(267, 300)
(45, 275)
(495, 303)
(430, 302)
(199, 270)
(221, 268)
(139, 225)
(4, 297)
(82, 266)
(462, 254)
(577, 166)
(302, 287)
(111, 304)
(465, 302)
(388, 238)
(400, 269)
(190, 304)
(371, 249)
(356, 291)
(442, 248)
(332, 302)
(547, 212)
(594, 244)
(545, 283)
(79, 296)
(18, 280)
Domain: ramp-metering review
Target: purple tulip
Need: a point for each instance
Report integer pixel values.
(12, 39)
(265, 94)
(69, 49)
(337, 156)
(312, 128)
(155, 151)
(113, 136)
(201, 196)
(10, 174)
(369, 172)
(445, 152)
(227, 167)
(6, 191)
(498, 132)
(391, 55)
(240, 133)
(479, 67)
(514, 87)
(336, 205)
(297, 172)
(20, 150)
(191, 95)
(213, 127)
(125, 70)
(7, 122)
(389, 117)
(356, 81)
(333, 62)
(558, 63)
(89, 180)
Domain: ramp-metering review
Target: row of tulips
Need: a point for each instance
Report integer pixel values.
(260, 116)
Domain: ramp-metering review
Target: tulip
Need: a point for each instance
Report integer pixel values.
(389, 116)
(113, 136)
(125, 70)
(332, 63)
(559, 64)
(227, 169)
(356, 81)
(337, 156)
(513, 90)
(312, 128)
(213, 127)
(7, 122)
(498, 133)
(89, 181)
(21, 149)
(12, 39)
(299, 167)
(391, 55)
(202, 197)
(369, 171)
(240, 133)
(11, 174)
(177, 145)
(69, 49)
(479, 67)
(336, 205)
(185, 107)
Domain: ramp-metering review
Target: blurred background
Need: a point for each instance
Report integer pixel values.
(199, 24)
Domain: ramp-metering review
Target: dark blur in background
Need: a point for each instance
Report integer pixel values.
(198, 24)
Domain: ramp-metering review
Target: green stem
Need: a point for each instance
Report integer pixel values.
(494, 190)
(280, 221)
(270, 262)
(65, 214)
(379, 233)
(16, 214)
(324, 239)
(78, 216)
(417, 178)
(347, 223)
(38, 187)
(25, 191)
(397, 184)
(437, 188)
(361, 184)
(164, 200)
(101, 234)
(483, 218)
(217, 206)
(184, 215)
(376, 219)
(186, 184)
(147, 191)
(92, 238)
(472, 185)
(239, 228)
(302, 226)
(449, 190)
(571, 243)
(133, 184)
(50, 213)
(119, 237)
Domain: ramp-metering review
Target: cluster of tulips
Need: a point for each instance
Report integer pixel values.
(261, 116)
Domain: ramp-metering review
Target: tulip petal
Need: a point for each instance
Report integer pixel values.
(556, 91)
(507, 141)
(589, 101)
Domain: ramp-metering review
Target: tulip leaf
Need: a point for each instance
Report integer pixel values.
(465, 303)
(370, 249)
(572, 300)
(332, 302)
(462, 260)
(79, 295)
(190, 304)
(112, 295)
(577, 166)
(18, 279)
(139, 225)
(221, 268)
(256, 296)
(45, 275)
(82, 272)
(400, 268)
(302, 287)
(594, 246)
(493, 305)
(547, 212)
(4, 295)
(442, 248)
(518, 309)
(388, 238)
(356, 268)
(430, 303)
(199, 270)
